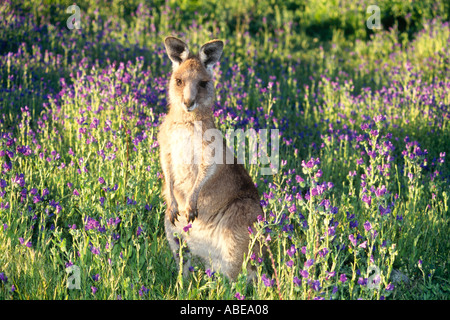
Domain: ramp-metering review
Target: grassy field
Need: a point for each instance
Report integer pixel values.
(357, 210)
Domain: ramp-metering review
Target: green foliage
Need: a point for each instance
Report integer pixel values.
(363, 117)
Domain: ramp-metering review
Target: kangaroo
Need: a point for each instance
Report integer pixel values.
(219, 199)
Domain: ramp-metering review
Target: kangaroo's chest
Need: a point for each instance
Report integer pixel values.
(182, 147)
(185, 156)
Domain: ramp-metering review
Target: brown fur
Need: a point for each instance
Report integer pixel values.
(220, 200)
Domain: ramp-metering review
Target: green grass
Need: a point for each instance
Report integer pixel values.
(88, 103)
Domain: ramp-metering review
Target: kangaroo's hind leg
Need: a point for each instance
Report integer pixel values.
(237, 218)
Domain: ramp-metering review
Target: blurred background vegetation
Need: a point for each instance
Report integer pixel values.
(318, 51)
(317, 19)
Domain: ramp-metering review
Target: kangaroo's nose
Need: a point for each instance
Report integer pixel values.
(189, 103)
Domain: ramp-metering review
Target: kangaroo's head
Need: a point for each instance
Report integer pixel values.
(191, 87)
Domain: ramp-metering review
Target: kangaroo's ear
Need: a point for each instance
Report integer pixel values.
(177, 50)
(210, 53)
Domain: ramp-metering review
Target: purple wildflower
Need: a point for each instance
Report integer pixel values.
(187, 228)
(3, 277)
(209, 273)
(309, 263)
(304, 273)
(315, 285)
(367, 226)
(352, 239)
(239, 296)
(95, 250)
(367, 199)
(297, 281)
(267, 281)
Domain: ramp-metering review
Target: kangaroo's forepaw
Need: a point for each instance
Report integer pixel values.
(191, 212)
(173, 213)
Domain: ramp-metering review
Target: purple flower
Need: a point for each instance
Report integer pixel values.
(4, 205)
(362, 281)
(75, 192)
(45, 192)
(101, 180)
(3, 277)
(315, 285)
(309, 263)
(367, 199)
(380, 191)
(267, 281)
(352, 239)
(291, 251)
(143, 290)
(297, 281)
(299, 179)
(94, 289)
(367, 226)
(330, 275)
(91, 223)
(304, 273)
(209, 273)
(379, 118)
(95, 250)
(323, 252)
(310, 164)
(383, 210)
(187, 228)
(343, 278)
(239, 296)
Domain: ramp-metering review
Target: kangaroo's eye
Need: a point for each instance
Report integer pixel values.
(179, 82)
(203, 84)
